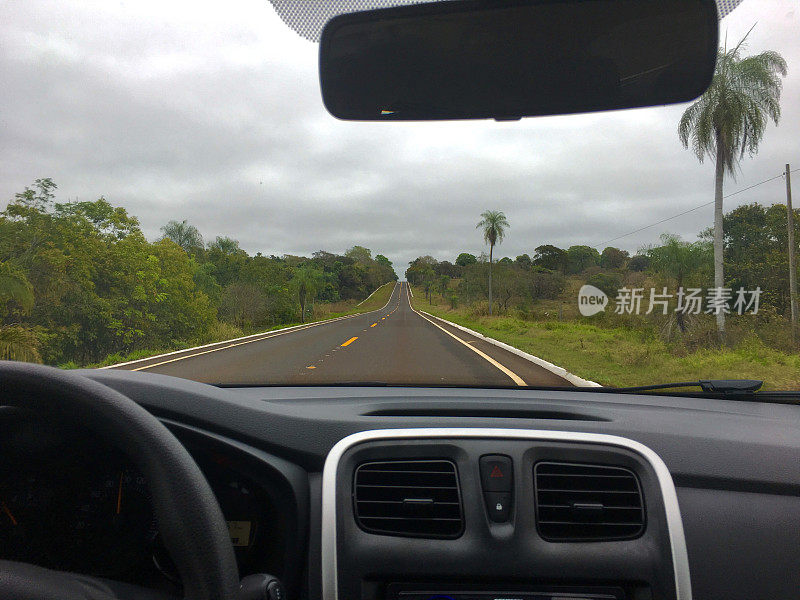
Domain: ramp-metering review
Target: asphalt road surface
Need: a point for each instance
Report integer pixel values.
(394, 345)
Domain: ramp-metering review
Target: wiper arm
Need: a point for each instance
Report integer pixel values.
(710, 386)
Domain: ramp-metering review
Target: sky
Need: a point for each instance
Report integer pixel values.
(211, 112)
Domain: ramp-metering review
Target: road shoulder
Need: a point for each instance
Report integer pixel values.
(538, 370)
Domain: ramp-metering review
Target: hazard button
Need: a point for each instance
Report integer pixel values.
(497, 474)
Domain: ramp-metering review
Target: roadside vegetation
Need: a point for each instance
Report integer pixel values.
(535, 304)
(81, 285)
(620, 354)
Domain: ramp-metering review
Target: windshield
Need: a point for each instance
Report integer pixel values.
(175, 199)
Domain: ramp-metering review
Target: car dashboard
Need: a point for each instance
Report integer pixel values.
(378, 493)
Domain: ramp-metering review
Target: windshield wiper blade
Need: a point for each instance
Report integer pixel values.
(709, 386)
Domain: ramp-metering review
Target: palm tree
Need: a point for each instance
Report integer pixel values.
(14, 285)
(307, 281)
(680, 261)
(729, 120)
(494, 225)
(16, 342)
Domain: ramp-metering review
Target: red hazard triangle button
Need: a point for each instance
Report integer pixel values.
(497, 474)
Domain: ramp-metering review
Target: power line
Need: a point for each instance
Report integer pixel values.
(686, 212)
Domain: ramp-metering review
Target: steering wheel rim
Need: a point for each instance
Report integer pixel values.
(189, 518)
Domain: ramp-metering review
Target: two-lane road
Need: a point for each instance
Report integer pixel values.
(394, 345)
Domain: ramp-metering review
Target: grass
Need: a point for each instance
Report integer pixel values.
(625, 356)
(223, 331)
(376, 301)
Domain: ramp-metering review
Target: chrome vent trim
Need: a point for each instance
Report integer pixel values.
(329, 554)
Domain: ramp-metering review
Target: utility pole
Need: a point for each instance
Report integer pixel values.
(792, 262)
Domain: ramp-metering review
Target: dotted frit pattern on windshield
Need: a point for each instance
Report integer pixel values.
(724, 7)
(308, 17)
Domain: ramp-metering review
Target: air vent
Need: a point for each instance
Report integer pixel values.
(418, 498)
(577, 502)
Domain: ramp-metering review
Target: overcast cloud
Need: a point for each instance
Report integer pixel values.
(210, 111)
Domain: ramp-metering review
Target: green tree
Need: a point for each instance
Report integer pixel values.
(204, 280)
(111, 222)
(382, 260)
(493, 223)
(359, 254)
(546, 284)
(16, 342)
(610, 283)
(679, 261)
(101, 288)
(580, 258)
(243, 304)
(524, 262)
(225, 245)
(306, 282)
(225, 261)
(613, 258)
(444, 282)
(421, 268)
(385, 270)
(185, 235)
(39, 196)
(452, 298)
(507, 284)
(14, 287)
(550, 257)
(638, 262)
(429, 283)
(755, 251)
(464, 259)
(728, 121)
(445, 267)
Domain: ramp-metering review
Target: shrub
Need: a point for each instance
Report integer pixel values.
(608, 282)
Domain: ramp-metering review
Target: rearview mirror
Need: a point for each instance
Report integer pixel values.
(477, 59)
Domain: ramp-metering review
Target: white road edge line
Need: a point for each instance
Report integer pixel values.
(555, 369)
(247, 339)
(514, 377)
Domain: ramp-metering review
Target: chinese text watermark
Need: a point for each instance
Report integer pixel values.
(689, 301)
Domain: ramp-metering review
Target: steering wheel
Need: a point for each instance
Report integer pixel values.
(189, 518)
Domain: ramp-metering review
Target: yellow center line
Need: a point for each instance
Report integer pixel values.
(267, 336)
(350, 341)
(250, 340)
